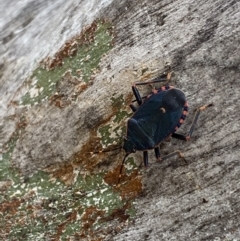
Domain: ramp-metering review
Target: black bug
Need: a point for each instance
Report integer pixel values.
(158, 116)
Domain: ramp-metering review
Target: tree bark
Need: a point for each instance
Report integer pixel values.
(200, 200)
(200, 41)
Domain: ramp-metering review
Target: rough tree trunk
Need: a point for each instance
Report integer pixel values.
(200, 40)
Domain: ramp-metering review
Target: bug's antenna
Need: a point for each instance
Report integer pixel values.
(105, 150)
(113, 149)
(120, 173)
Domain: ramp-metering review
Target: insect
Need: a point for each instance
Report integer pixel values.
(158, 116)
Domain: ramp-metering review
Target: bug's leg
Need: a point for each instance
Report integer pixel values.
(179, 153)
(145, 158)
(157, 153)
(121, 168)
(156, 80)
(137, 94)
(189, 135)
(179, 136)
(133, 107)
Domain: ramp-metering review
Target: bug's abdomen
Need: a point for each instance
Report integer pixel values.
(147, 133)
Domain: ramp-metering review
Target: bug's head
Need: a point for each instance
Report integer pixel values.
(174, 99)
(128, 146)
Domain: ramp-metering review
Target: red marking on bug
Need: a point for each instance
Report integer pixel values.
(176, 128)
(181, 121)
(185, 112)
(154, 91)
(186, 104)
(171, 87)
(163, 88)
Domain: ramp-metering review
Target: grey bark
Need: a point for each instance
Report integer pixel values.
(199, 201)
(201, 42)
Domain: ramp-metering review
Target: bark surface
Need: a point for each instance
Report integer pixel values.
(201, 42)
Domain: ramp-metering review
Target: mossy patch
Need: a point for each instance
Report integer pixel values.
(42, 206)
(8, 174)
(81, 56)
(6, 170)
(74, 200)
(113, 132)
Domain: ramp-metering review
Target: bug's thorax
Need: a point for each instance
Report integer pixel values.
(173, 99)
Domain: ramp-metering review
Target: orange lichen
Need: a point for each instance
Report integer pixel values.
(10, 206)
(131, 189)
(9, 209)
(83, 158)
(129, 186)
(64, 171)
(57, 100)
(91, 215)
(118, 213)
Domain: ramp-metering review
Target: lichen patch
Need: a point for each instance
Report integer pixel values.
(72, 69)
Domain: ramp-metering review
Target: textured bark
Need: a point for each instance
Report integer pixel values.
(198, 201)
(201, 43)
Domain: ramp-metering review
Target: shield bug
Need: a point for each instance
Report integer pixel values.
(157, 116)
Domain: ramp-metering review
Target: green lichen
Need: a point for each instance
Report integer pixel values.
(47, 204)
(41, 207)
(8, 174)
(97, 193)
(5, 161)
(43, 82)
(120, 115)
(130, 165)
(119, 104)
(131, 211)
(114, 131)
